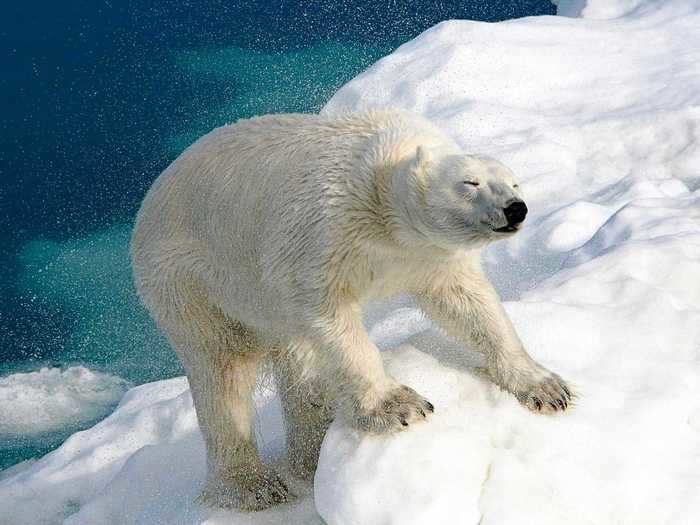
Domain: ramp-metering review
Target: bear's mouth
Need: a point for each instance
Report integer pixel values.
(507, 229)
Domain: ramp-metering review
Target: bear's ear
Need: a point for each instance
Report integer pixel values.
(421, 161)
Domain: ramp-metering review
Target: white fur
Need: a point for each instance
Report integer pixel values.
(264, 238)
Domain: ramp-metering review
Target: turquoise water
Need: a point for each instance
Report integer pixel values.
(97, 98)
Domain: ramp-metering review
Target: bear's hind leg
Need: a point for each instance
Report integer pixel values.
(308, 411)
(237, 478)
(221, 359)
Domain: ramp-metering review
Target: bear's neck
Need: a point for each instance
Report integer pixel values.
(404, 207)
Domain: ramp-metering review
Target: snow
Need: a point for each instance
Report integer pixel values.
(38, 402)
(144, 463)
(601, 9)
(599, 117)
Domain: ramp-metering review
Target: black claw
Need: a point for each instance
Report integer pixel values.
(562, 404)
(403, 421)
(554, 406)
(430, 406)
(567, 391)
(538, 403)
(421, 412)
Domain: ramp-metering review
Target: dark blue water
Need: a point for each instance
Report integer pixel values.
(96, 98)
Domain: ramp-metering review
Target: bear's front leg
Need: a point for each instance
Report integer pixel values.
(467, 307)
(373, 401)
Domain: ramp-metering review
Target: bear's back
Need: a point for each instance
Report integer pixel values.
(246, 196)
(254, 205)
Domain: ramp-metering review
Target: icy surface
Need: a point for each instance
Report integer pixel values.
(599, 118)
(43, 401)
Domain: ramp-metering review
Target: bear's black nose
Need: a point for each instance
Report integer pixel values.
(515, 212)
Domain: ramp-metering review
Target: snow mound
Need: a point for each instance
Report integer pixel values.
(599, 118)
(628, 453)
(44, 401)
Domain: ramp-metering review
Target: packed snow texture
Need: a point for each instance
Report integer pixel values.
(599, 119)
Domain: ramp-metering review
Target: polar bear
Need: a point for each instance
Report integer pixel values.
(263, 240)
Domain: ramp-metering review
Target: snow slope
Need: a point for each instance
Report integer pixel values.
(600, 118)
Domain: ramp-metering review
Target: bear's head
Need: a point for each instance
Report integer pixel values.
(457, 201)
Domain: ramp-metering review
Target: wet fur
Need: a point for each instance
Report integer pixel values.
(263, 240)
